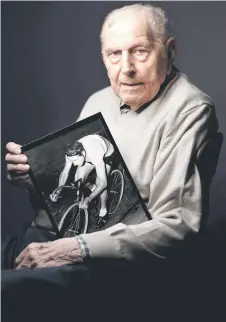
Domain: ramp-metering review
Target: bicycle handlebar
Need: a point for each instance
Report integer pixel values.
(72, 186)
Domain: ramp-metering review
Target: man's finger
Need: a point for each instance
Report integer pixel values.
(24, 265)
(20, 257)
(28, 261)
(19, 261)
(18, 178)
(18, 167)
(25, 253)
(13, 148)
(15, 158)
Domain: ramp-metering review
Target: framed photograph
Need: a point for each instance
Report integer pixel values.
(82, 181)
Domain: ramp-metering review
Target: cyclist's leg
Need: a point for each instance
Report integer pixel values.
(88, 175)
(108, 168)
(103, 203)
(104, 195)
(90, 182)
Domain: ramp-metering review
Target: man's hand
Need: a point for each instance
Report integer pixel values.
(17, 167)
(85, 203)
(56, 253)
(54, 196)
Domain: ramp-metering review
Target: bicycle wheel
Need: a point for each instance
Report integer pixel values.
(74, 221)
(116, 190)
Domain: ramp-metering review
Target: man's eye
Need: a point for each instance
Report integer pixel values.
(140, 51)
(115, 53)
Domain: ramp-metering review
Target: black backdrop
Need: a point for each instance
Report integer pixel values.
(51, 64)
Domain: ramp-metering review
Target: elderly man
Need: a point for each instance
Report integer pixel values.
(159, 120)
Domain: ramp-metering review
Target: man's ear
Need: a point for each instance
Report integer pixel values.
(102, 55)
(171, 52)
(84, 153)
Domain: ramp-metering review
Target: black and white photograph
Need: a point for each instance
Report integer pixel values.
(82, 180)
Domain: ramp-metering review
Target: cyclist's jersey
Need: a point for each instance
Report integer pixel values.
(97, 148)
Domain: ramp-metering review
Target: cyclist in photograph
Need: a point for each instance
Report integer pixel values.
(91, 152)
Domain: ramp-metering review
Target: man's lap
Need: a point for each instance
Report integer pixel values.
(64, 293)
(28, 293)
(14, 244)
(72, 292)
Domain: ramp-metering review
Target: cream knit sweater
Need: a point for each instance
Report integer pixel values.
(157, 146)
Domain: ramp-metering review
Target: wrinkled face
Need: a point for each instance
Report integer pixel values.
(77, 160)
(136, 64)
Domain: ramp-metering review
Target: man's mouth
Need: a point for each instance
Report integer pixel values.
(132, 84)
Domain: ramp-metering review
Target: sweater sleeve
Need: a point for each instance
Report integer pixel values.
(175, 195)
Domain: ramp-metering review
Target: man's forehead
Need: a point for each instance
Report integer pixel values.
(73, 157)
(125, 30)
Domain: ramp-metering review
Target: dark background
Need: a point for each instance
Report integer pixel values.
(51, 64)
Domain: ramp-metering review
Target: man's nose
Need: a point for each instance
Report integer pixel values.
(127, 66)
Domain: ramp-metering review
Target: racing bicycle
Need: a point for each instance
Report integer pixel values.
(75, 220)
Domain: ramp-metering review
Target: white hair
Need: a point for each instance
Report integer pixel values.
(155, 17)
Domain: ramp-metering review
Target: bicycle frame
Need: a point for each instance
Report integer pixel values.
(79, 196)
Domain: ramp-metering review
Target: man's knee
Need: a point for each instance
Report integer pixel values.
(14, 245)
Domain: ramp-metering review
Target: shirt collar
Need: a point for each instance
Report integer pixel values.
(124, 108)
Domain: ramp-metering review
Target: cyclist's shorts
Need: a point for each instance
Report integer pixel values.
(110, 159)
